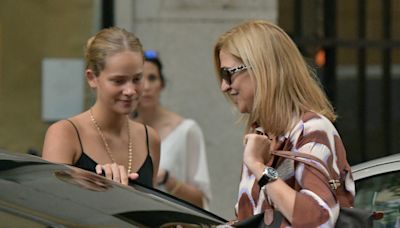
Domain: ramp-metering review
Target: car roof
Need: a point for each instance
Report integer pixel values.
(376, 166)
(61, 195)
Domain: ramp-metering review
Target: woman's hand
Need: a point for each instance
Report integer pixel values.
(116, 173)
(162, 177)
(256, 151)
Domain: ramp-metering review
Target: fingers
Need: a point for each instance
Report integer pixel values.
(124, 175)
(107, 171)
(257, 148)
(160, 175)
(115, 172)
(255, 136)
(99, 169)
(133, 176)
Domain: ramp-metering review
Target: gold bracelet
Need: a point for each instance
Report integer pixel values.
(176, 187)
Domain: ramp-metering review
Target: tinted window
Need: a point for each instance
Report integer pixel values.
(381, 193)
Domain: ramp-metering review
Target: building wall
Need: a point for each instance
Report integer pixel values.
(31, 30)
(184, 32)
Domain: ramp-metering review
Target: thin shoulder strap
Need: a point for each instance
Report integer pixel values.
(147, 139)
(302, 157)
(77, 132)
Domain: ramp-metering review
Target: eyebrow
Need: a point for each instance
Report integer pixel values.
(125, 75)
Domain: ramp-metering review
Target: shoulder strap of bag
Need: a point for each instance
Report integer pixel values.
(348, 216)
(312, 161)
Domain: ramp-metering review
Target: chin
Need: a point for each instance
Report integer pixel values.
(127, 110)
(242, 108)
(147, 104)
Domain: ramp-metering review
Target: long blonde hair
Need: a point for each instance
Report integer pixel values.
(107, 42)
(286, 87)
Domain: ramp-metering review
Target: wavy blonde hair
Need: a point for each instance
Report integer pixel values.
(107, 42)
(286, 86)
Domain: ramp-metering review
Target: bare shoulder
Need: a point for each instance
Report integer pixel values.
(140, 128)
(60, 129)
(61, 143)
(153, 135)
(174, 118)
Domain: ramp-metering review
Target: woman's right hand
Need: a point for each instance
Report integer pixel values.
(116, 173)
(161, 176)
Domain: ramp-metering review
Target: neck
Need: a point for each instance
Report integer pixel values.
(109, 121)
(150, 115)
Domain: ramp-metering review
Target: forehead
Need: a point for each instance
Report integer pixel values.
(150, 68)
(227, 59)
(125, 59)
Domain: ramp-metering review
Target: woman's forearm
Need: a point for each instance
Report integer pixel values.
(185, 191)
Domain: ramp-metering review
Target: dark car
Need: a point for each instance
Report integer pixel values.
(378, 188)
(36, 193)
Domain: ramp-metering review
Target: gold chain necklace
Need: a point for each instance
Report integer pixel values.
(107, 147)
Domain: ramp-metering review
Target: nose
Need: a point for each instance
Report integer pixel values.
(146, 84)
(129, 89)
(225, 87)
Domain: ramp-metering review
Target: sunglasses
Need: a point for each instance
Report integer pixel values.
(227, 73)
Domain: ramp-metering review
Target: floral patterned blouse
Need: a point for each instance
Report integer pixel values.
(315, 204)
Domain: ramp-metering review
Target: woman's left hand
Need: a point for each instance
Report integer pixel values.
(116, 172)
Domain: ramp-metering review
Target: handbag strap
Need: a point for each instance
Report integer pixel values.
(312, 161)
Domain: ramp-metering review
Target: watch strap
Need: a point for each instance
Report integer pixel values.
(263, 180)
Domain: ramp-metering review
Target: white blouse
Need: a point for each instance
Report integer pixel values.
(183, 154)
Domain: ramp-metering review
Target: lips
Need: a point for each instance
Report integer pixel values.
(126, 102)
(146, 97)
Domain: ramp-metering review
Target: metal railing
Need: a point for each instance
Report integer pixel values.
(359, 138)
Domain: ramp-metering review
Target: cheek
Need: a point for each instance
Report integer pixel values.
(248, 96)
(158, 90)
(139, 87)
(156, 87)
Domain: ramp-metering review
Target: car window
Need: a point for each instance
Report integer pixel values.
(381, 193)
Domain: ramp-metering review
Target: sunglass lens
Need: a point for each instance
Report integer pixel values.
(226, 76)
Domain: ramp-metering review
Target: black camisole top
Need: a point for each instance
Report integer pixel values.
(145, 172)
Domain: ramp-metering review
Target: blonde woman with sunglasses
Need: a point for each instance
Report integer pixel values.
(262, 72)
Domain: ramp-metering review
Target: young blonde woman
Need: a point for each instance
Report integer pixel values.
(103, 139)
(183, 164)
(263, 73)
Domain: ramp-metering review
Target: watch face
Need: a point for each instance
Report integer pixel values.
(272, 173)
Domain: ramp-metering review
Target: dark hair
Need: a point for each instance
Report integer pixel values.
(153, 57)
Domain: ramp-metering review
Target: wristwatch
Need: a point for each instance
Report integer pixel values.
(269, 175)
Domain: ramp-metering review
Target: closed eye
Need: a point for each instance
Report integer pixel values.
(118, 81)
(137, 78)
